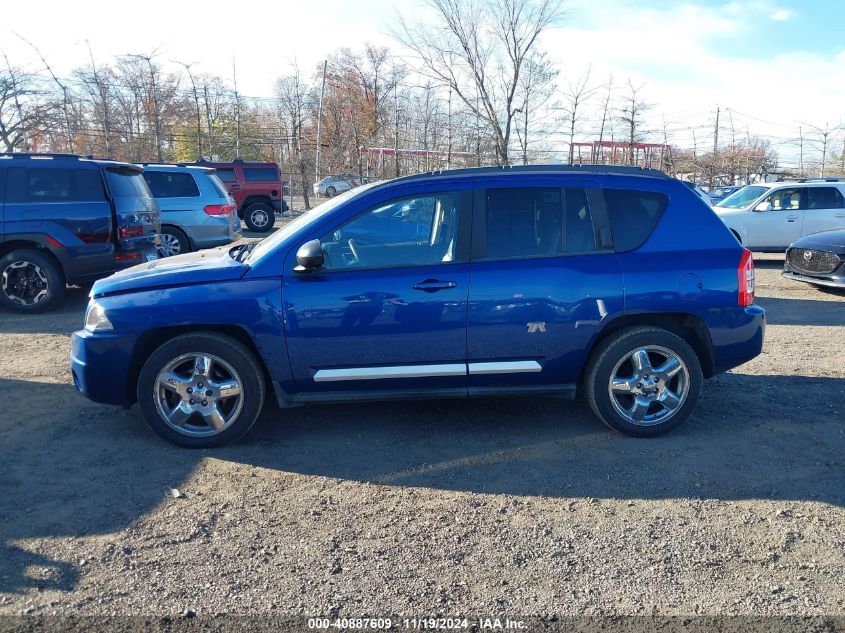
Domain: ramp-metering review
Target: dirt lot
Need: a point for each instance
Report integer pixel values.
(508, 506)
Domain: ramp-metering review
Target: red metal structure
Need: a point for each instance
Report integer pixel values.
(655, 155)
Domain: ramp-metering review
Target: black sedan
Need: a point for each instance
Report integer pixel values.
(818, 259)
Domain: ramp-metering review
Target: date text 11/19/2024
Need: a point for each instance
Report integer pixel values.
(455, 623)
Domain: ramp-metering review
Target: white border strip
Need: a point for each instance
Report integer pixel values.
(399, 371)
(505, 367)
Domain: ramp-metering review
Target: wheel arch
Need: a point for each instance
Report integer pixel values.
(152, 339)
(33, 245)
(254, 198)
(688, 326)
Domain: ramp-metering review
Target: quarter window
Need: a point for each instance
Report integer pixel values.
(227, 175)
(413, 231)
(537, 221)
(824, 198)
(633, 215)
(54, 185)
(171, 184)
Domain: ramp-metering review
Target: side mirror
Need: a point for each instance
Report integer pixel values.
(309, 257)
(763, 206)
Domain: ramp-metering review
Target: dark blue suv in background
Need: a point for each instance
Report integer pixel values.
(65, 219)
(619, 283)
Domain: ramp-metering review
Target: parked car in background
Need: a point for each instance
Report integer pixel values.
(196, 210)
(65, 219)
(720, 193)
(584, 280)
(818, 259)
(771, 216)
(330, 186)
(256, 188)
(698, 191)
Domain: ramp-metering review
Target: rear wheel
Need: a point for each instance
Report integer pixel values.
(30, 281)
(643, 381)
(330, 192)
(259, 217)
(173, 241)
(201, 390)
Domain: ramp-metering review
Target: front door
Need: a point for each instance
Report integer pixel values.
(387, 312)
(542, 284)
(780, 225)
(825, 210)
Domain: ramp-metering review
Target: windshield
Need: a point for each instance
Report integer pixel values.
(269, 243)
(742, 198)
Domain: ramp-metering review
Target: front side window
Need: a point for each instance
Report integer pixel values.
(413, 231)
(785, 200)
(54, 185)
(824, 198)
(171, 184)
(537, 221)
(260, 173)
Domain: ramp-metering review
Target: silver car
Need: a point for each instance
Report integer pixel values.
(196, 210)
(330, 186)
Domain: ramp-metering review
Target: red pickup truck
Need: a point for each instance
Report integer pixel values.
(257, 190)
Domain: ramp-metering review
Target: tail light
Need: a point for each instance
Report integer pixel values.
(745, 278)
(218, 209)
(125, 232)
(123, 257)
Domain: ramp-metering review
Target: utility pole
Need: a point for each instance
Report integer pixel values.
(237, 111)
(449, 132)
(800, 151)
(320, 123)
(715, 149)
(197, 104)
(208, 122)
(396, 128)
(694, 157)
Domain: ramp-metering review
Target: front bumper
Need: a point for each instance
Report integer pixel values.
(99, 365)
(831, 281)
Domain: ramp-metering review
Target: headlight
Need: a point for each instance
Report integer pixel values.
(96, 319)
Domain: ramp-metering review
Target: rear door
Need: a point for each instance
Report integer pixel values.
(780, 225)
(66, 203)
(825, 210)
(542, 280)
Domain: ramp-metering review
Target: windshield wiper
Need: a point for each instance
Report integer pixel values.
(244, 250)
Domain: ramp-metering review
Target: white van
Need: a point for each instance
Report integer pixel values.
(770, 216)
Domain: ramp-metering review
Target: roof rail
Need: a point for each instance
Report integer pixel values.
(831, 179)
(39, 155)
(504, 169)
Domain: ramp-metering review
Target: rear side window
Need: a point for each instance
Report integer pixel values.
(171, 184)
(54, 185)
(126, 183)
(261, 173)
(633, 215)
(227, 175)
(824, 198)
(537, 221)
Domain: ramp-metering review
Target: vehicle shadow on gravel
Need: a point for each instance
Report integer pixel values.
(71, 468)
(69, 316)
(784, 311)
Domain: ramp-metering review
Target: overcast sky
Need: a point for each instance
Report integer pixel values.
(771, 66)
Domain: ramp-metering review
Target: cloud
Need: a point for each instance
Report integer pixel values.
(782, 15)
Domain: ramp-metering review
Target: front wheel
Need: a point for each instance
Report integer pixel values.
(259, 217)
(30, 281)
(331, 192)
(643, 381)
(201, 390)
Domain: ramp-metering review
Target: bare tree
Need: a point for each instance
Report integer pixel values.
(12, 88)
(575, 94)
(536, 87)
(822, 138)
(292, 93)
(196, 103)
(631, 117)
(98, 83)
(153, 95)
(479, 49)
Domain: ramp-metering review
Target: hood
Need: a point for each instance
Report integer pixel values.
(180, 270)
(826, 240)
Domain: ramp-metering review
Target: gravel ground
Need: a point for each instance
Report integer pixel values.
(501, 506)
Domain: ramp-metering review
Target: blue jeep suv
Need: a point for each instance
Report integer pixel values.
(618, 283)
(65, 219)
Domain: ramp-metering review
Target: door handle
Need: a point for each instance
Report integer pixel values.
(235, 187)
(791, 218)
(433, 285)
(840, 215)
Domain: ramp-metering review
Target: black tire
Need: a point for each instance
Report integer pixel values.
(179, 240)
(27, 275)
(331, 192)
(613, 351)
(248, 375)
(259, 217)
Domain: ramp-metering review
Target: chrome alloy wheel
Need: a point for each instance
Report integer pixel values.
(169, 245)
(24, 283)
(260, 218)
(198, 395)
(649, 385)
